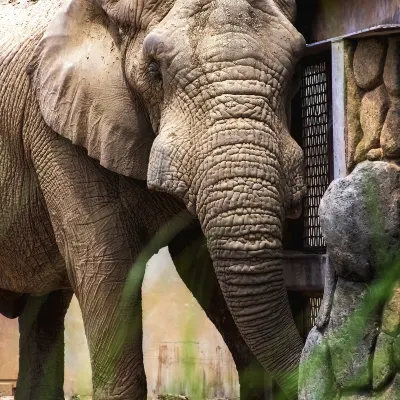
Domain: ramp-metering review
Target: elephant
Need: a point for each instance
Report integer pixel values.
(123, 119)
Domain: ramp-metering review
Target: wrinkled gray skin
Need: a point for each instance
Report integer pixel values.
(189, 95)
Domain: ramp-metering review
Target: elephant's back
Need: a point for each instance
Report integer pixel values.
(22, 25)
(21, 20)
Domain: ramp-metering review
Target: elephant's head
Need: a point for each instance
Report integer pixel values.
(190, 95)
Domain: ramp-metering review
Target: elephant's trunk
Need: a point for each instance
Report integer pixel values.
(240, 207)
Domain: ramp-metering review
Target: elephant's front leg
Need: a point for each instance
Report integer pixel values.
(41, 360)
(100, 259)
(96, 239)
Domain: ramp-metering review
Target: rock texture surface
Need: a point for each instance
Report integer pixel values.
(354, 352)
(358, 212)
(383, 369)
(351, 337)
(390, 138)
(391, 75)
(372, 68)
(374, 107)
(316, 378)
(354, 95)
(369, 61)
(391, 314)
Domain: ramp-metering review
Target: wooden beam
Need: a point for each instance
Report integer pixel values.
(321, 20)
(304, 272)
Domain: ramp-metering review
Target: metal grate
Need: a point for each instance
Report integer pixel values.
(315, 134)
(305, 307)
(311, 313)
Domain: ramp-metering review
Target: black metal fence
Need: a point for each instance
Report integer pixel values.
(305, 307)
(312, 128)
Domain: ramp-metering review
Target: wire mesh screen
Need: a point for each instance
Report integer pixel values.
(311, 313)
(305, 307)
(315, 133)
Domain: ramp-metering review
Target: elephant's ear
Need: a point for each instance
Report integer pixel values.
(77, 73)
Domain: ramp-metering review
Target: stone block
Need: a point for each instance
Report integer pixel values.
(352, 332)
(390, 393)
(374, 107)
(391, 74)
(375, 155)
(396, 352)
(316, 379)
(353, 104)
(383, 368)
(391, 315)
(360, 220)
(358, 396)
(327, 300)
(369, 62)
(390, 137)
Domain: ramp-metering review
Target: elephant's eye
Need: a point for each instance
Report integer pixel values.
(154, 71)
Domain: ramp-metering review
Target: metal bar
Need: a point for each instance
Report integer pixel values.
(338, 110)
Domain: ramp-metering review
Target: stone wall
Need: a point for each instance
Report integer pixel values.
(372, 68)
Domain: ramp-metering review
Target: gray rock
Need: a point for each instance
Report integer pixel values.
(390, 393)
(327, 300)
(369, 61)
(396, 352)
(358, 396)
(316, 380)
(390, 137)
(383, 369)
(391, 74)
(360, 220)
(353, 104)
(375, 155)
(352, 332)
(374, 107)
(391, 315)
